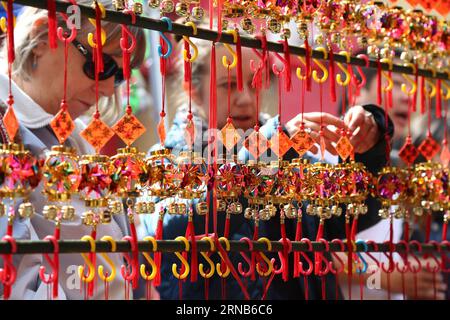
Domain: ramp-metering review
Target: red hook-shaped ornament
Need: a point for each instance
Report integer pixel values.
(126, 274)
(310, 269)
(437, 267)
(444, 257)
(63, 35)
(418, 268)
(405, 267)
(323, 260)
(251, 269)
(391, 267)
(54, 264)
(355, 82)
(337, 257)
(281, 256)
(8, 273)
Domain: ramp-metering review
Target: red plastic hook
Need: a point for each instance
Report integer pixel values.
(405, 268)
(126, 274)
(8, 273)
(355, 82)
(444, 257)
(305, 256)
(412, 268)
(63, 35)
(323, 260)
(54, 264)
(251, 269)
(281, 256)
(438, 263)
(391, 267)
(337, 257)
(123, 41)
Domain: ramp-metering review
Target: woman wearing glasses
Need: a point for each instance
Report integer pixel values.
(37, 75)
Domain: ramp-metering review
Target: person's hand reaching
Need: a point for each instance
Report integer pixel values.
(364, 132)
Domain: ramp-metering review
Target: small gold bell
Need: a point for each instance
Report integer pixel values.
(247, 25)
(274, 25)
(153, 3)
(182, 9)
(137, 8)
(26, 210)
(383, 213)
(264, 214)
(197, 13)
(237, 208)
(68, 213)
(88, 218)
(182, 208)
(202, 208)
(141, 208)
(221, 205)
(106, 216)
(49, 212)
(167, 6)
(150, 207)
(248, 213)
(173, 208)
(290, 211)
(319, 40)
(115, 206)
(119, 5)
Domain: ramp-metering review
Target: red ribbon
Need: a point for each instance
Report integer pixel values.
(51, 8)
(98, 38)
(379, 96)
(190, 232)
(332, 77)
(157, 255)
(10, 31)
(308, 66)
(287, 67)
(240, 82)
(422, 95)
(438, 99)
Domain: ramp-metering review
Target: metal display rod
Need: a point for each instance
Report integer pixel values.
(180, 29)
(78, 246)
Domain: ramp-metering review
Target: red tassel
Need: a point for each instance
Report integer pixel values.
(98, 39)
(379, 95)
(285, 272)
(422, 96)
(438, 99)
(232, 269)
(308, 66)
(190, 232)
(416, 80)
(332, 77)
(240, 84)
(10, 31)
(226, 232)
(162, 61)
(287, 69)
(406, 230)
(187, 64)
(135, 255)
(51, 8)
(125, 55)
(298, 236)
(318, 255)
(157, 255)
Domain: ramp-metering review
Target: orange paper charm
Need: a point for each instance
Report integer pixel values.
(129, 128)
(97, 134)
